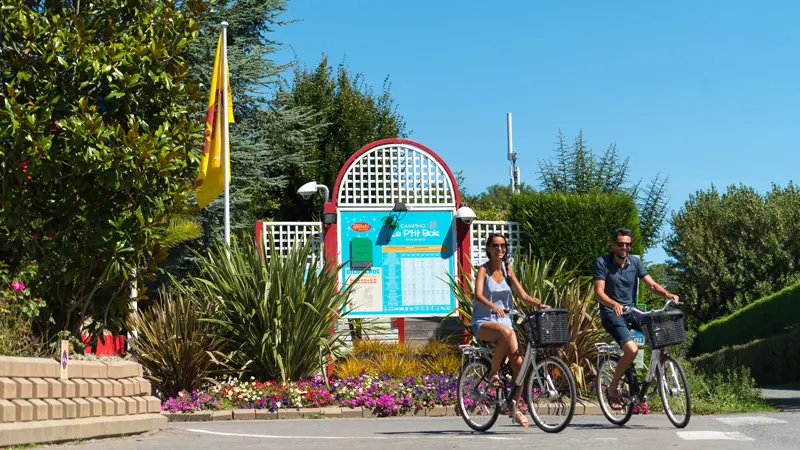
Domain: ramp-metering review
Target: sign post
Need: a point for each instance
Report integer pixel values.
(64, 360)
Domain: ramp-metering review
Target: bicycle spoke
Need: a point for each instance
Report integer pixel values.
(477, 398)
(550, 394)
(674, 392)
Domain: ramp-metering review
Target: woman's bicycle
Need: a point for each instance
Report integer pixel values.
(548, 385)
(662, 328)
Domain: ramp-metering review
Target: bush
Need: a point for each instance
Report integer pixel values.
(726, 391)
(175, 346)
(733, 248)
(576, 227)
(774, 360)
(17, 313)
(274, 312)
(766, 317)
(97, 146)
(379, 358)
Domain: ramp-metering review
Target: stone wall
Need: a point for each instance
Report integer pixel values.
(99, 399)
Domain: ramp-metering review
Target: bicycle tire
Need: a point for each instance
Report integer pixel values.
(573, 394)
(663, 394)
(485, 366)
(602, 401)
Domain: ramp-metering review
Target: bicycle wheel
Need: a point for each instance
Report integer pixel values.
(477, 399)
(674, 391)
(550, 394)
(604, 375)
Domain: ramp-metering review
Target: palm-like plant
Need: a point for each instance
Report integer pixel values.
(275, 312)
(175, 346)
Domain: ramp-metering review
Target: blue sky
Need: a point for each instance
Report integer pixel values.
(703, 92)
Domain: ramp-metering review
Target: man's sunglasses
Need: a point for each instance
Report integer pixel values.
(498, 245)
(622, 244)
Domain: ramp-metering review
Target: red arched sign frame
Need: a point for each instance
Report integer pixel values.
(331, 230)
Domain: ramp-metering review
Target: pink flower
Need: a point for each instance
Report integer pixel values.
(18, 285)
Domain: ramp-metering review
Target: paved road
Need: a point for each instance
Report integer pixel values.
(784, 397)
(749, 431)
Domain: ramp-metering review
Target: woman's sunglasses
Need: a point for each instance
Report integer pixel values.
(498, 245)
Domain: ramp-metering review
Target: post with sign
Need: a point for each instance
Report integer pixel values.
(64, 360)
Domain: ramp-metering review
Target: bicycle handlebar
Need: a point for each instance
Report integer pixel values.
(626, 310)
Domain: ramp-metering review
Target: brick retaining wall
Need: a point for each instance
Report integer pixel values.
(99, 399)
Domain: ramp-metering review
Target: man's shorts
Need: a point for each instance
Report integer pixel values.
(619, 327)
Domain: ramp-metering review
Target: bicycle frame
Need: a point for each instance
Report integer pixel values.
(509, 403)
(639, 392)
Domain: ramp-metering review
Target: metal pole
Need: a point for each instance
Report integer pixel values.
(226, 141)
(512, 156)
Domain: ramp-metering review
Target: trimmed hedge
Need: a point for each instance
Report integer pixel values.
(766, 317)
(577, 227)
(774, 360)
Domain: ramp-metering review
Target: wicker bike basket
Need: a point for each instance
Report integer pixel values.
(664, 329)
(547, 327)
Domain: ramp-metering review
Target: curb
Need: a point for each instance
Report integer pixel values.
(582, 408)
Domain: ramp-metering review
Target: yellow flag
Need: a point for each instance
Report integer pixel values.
(210, 180)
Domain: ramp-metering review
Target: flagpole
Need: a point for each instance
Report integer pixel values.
(226, 140)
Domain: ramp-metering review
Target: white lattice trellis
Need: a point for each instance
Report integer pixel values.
(394, 173)
(288, 235)
(480, 231)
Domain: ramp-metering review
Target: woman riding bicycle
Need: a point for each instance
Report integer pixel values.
(493, 295)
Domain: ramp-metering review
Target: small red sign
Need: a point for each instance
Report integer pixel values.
(360, 227)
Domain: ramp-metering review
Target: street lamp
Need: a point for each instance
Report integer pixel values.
(466, 214)
(310, 188)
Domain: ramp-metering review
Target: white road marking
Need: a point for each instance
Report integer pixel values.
(749, 420)
(712, 436)
(276, 436)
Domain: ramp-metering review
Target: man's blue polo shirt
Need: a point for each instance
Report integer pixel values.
(620, 281)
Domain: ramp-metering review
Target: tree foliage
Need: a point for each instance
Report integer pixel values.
(271, 137)
(351, 115)
(98, 149)
(578, 170)
(730, 249)
(575, 227)
(492, 204)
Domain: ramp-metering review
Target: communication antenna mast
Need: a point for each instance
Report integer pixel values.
(513, 171)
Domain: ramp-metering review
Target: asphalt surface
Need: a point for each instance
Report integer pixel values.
(744, 431)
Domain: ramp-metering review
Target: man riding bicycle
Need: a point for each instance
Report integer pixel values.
(615, 281)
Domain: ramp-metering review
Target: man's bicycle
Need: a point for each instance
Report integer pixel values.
(662, 328)
(548, 385)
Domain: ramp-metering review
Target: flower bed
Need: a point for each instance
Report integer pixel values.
(382, 394)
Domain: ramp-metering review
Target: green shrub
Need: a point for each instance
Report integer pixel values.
(730, 248)
(725, 391)
(766, 317)
(274, 312)
(575, 227)
(774, 360)
(175, 346)
(18, 310)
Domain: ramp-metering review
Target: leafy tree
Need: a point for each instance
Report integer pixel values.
(578, 170)
(492, 204)
(352, 115)
(732, 248)
(98, 151)
(271, 136)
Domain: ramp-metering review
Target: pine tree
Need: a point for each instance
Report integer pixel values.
(577, 170)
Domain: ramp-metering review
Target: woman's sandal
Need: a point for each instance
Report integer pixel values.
(495, 381)
(521, 419)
